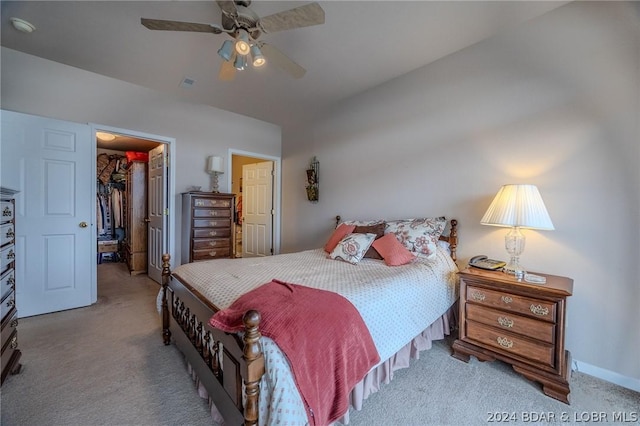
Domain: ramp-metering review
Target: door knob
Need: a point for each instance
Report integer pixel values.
(147, 220)
(83, 224)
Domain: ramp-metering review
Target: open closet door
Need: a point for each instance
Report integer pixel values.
(157, 212)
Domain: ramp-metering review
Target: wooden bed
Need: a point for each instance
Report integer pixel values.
(234, 388)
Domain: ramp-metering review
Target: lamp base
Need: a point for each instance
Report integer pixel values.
(214, 182)
(514, 268)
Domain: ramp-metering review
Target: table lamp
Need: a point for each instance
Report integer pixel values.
(214, 168)
(517, 206)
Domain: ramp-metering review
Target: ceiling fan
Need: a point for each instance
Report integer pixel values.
(245, 27)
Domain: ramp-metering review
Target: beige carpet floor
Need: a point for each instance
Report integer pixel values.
(106, 365)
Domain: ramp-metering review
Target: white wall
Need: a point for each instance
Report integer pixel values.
(553, 103)
(37, 86)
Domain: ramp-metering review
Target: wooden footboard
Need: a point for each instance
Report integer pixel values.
(223, 362)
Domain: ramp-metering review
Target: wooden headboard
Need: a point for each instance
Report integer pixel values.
(452, 238)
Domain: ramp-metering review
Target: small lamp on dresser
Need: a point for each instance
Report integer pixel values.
(517, 206)
(214, 168)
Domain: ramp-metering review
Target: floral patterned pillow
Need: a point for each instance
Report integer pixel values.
(352, 248)
(419, 236)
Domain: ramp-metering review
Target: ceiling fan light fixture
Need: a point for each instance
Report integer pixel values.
(258, 58)
(242, 43)
(226, 50)
(240, 63)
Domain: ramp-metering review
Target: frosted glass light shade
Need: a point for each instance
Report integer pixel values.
(518, 205)
(214, 164)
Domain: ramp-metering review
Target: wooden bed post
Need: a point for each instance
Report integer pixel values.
(166, 276)
(255, 366)
(453, 239)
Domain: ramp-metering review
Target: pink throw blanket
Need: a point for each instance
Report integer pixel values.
(322, 335)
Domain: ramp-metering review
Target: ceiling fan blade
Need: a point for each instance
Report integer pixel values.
(228, 7)
(159, 24)
(303, 16)
(279, 59)
(227, 70)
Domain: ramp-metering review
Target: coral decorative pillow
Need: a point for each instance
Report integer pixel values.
(392, 251)
(352, 247)
(337, 235)
(377, 229)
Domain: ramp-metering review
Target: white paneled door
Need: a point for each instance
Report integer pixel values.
(156, 212)
(257, 209)
(49, 162)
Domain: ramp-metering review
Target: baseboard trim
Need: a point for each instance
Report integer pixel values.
(609, 376)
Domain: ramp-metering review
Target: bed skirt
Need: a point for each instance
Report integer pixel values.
(383, 373)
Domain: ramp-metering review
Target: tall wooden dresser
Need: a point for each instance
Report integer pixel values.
(136, 221)
(10, 352)
(207, 226)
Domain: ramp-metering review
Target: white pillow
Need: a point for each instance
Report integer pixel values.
(352, 248)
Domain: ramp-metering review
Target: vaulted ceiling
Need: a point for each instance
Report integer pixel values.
(361, 45)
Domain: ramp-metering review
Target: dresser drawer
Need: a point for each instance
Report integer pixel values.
(206, 254)
(211, 213)
(212, 223)
(211, 232)
(538, 352)
(9, 348)
(505, 301)
(530, 327)
(211, 202)
(7, 304)
(199, 244)
(8, 326)
(7, 211)
(7, 256)
(7, 283)
(7, 234)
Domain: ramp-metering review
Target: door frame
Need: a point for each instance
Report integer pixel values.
(277, 184)
(171, 225)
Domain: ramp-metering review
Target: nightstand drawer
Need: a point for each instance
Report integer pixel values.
(505, 301)
(211, 213)
(538, 352)
(207, 232)
(514, 323)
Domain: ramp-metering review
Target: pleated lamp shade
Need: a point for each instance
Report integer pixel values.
(518, 205)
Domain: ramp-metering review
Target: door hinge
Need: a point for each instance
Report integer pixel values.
(273, 212)
(166, 160)
(273, 172)
(166, 212)
(271, 250)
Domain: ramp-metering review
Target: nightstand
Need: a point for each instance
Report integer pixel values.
(519, 323)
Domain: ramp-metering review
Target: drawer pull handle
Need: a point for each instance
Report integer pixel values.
(539, 310)
(506, 299)
(10, 303)
(212, 243)
(213, 213)
(213, 233)
(11, 255)
(212, 223)
(476, 295)
(10, 233)
(212, 253)
(6, 211)
(505, 322)
(199, 203)
(14, 323)
(11, 280)
(504, 342)
(14, 342)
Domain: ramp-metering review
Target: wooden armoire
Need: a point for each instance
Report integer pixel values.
(136, 222)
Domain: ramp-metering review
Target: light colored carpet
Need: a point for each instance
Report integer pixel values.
(106, 365)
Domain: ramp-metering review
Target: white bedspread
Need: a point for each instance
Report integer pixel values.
(396, 303)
